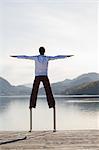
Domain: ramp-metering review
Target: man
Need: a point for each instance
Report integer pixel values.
(41, 75)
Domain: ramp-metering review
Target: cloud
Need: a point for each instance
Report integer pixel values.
(63, 27)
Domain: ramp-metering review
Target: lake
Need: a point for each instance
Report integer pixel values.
(71, 113)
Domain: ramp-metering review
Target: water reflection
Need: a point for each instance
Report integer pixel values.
(6, 102)
(84, 104)
(71, 114)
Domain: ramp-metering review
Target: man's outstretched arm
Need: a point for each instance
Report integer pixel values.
(24, 57)
(59, 57)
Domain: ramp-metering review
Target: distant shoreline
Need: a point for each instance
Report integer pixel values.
(58, 96)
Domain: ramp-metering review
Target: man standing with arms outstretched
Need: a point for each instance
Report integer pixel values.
(41, 75)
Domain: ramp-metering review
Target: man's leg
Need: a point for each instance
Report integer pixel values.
(33, 97)
(49, 94)
(50, 99)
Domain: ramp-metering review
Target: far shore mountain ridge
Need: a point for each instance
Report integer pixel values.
(85, 84)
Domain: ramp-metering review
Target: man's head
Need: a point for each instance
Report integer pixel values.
(41, 50)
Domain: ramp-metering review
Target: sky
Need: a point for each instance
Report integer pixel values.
(62, 26)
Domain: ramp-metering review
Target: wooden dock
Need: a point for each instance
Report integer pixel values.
(48, 140)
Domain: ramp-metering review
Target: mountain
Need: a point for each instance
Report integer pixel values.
(31, 84)
(91, 88)
(28, 85)
(6, 89)
(84, 84)
(61, 87)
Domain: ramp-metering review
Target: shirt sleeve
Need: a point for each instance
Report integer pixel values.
(56, 57)
(26, 57)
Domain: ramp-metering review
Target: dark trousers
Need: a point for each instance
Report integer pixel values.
(46, 83)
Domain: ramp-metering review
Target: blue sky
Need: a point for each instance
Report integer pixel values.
(61, 26)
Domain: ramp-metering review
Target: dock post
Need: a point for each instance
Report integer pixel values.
(30, 119)
(54, 118)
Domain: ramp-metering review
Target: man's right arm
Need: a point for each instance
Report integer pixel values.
(58, 57)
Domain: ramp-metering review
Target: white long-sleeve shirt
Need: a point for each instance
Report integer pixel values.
(41, 62)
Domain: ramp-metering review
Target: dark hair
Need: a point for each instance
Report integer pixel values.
(42, 50)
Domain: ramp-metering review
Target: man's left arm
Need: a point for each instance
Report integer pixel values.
(24, 57)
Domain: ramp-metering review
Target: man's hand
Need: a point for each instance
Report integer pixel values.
(13, 56)
(70, 55)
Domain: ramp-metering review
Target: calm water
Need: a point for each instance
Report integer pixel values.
(71, 113)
